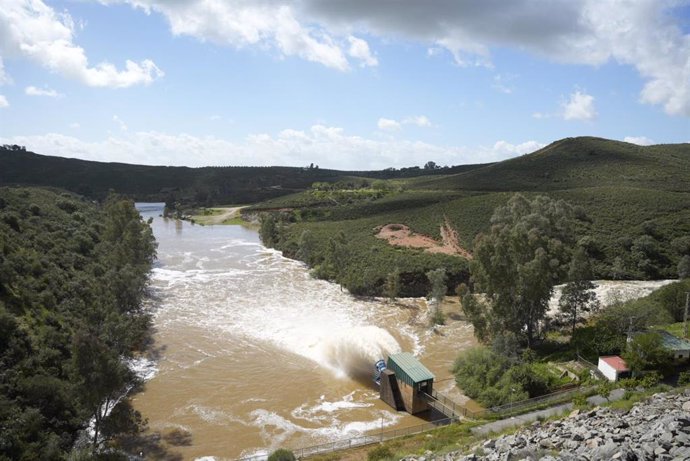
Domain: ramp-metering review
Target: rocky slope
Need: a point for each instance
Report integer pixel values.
(657, 429)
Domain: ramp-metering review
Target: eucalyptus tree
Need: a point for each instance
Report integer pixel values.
(518, 261)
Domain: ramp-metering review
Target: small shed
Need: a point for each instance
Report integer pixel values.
(613, 367)
(413, 379)
(680, 348)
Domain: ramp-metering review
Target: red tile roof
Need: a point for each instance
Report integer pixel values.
(616, 362)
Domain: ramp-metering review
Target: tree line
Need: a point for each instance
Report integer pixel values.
(73, 275)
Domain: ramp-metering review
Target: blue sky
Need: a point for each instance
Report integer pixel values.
(348, 85)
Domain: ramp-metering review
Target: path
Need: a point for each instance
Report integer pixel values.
(227, 213)
(503, 424)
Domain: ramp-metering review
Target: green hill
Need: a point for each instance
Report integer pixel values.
(632, 205)
(580, 162)
(191, 186)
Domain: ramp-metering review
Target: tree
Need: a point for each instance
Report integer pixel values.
(306, 246)
(268, 230)
(437, 278)
(646, 352)
(577, 297)
(391, 288)
(431, 166)
(517, 263)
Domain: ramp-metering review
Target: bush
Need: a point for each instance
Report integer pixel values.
(281, 454)
(378, 453)
(580, 401)
(650, 379)
(684, 378)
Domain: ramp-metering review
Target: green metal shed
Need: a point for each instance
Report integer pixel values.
(408, 369)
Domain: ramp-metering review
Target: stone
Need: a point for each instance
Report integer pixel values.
(686, 406)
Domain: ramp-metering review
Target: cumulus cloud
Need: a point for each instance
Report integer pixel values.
(34, 91)
(239, 23)
(288, 147)
(120, 123)
(580, 106)
(3, 102)
(418, 120)
(359, 49)
(34, 30)
(388, 124)
(639, 140)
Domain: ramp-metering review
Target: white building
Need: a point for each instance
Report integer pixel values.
(613, 367)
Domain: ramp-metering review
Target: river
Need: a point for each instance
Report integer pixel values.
(255, 354)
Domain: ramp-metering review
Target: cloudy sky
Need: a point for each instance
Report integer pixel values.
(351, 84)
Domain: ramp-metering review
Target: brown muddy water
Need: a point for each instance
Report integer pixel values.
(256, 355)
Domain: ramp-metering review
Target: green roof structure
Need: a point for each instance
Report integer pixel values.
(408, 369)
(674, 343)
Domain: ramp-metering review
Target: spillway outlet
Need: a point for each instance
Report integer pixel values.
(379, 366)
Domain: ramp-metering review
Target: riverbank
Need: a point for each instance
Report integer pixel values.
(218, 216)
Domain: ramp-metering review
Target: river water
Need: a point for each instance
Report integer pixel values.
(256, 355)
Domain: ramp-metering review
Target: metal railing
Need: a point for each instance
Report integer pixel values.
(451, 408)
(361, 440)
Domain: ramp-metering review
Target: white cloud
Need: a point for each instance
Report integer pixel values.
(288, 147)
(643, 34)
(419, 120)
(4, 78)
(639, 140)
(120, 123)
(646, 35)
(580, 106)
(388, 124)
(33, 91)
(34, 30)
(74, 125)
(502, 149)
(359, 49)
(3, 102)
(502, 83)
(238, 23)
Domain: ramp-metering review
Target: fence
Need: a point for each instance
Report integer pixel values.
(593, 369)
(452, 408)
(513, 407)
(362, 440)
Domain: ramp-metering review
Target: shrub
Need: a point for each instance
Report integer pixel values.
(684, 378)
(378, 453)
(580, 401)
(650, 380)
(282, 454)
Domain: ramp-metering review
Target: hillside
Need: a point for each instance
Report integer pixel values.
(191, 186)
(632, 207)
(72, 278)
(579, 163)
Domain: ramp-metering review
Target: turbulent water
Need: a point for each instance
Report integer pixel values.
(254, 354)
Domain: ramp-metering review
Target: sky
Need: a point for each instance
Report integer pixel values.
(351, 84)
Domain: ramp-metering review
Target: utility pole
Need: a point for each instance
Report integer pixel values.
(685, 314)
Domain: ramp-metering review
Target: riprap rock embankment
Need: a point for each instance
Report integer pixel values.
(657, 429)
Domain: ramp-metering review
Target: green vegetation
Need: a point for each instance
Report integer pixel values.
(72, 278)
(282, 454)
(179, 187)
(630, 210)
(646, 353)
(517, 264)
(497, 376)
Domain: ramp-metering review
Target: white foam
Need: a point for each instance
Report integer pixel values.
(144, 368)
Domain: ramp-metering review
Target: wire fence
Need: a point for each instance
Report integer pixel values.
(513, 407)
(361, 440)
